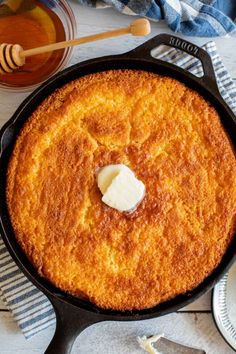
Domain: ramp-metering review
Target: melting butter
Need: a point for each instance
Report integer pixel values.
(120, 188)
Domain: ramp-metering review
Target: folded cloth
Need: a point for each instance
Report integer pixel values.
(30, 307)
(203, 18)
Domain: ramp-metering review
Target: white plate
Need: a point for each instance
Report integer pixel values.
(224, 307)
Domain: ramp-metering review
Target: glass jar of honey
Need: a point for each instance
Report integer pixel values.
(35, 23)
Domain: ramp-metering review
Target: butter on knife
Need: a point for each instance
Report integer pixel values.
(158, 344)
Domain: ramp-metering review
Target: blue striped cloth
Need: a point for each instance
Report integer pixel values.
(202, 18)
(30, 307)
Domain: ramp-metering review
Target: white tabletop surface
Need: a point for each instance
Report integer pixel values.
(192, 325)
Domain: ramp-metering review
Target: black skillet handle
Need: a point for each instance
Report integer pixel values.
(144, 51)
(70, 322)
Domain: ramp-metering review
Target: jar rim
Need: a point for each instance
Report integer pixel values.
(71, 27)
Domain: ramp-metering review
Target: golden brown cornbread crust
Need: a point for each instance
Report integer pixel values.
(174, 142)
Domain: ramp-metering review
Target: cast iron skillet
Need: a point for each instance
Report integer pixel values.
(74, 315)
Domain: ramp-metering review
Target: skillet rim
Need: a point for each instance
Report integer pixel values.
(10, 131)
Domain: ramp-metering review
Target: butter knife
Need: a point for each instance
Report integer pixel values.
(167, 346)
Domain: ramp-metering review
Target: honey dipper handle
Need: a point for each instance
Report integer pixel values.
(140, 27)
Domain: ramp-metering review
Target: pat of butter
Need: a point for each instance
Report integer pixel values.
(147, 343)
(120, 188)
(108, 173)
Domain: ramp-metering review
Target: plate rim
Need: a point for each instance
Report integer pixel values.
(221, 286)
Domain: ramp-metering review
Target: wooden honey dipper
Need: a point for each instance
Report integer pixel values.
(12, 56)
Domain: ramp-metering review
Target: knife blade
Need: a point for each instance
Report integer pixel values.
(167, 346)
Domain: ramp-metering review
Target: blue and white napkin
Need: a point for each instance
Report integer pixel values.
(29, 306)
(202, 18)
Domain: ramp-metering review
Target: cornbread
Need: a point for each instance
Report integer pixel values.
(173, 141)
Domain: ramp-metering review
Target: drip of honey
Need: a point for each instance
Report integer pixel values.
(31, 24)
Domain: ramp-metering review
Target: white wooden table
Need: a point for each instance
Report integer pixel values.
(192, 325)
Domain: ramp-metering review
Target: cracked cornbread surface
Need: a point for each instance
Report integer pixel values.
(173, 141)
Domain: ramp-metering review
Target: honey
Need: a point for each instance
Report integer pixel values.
(31, 24)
